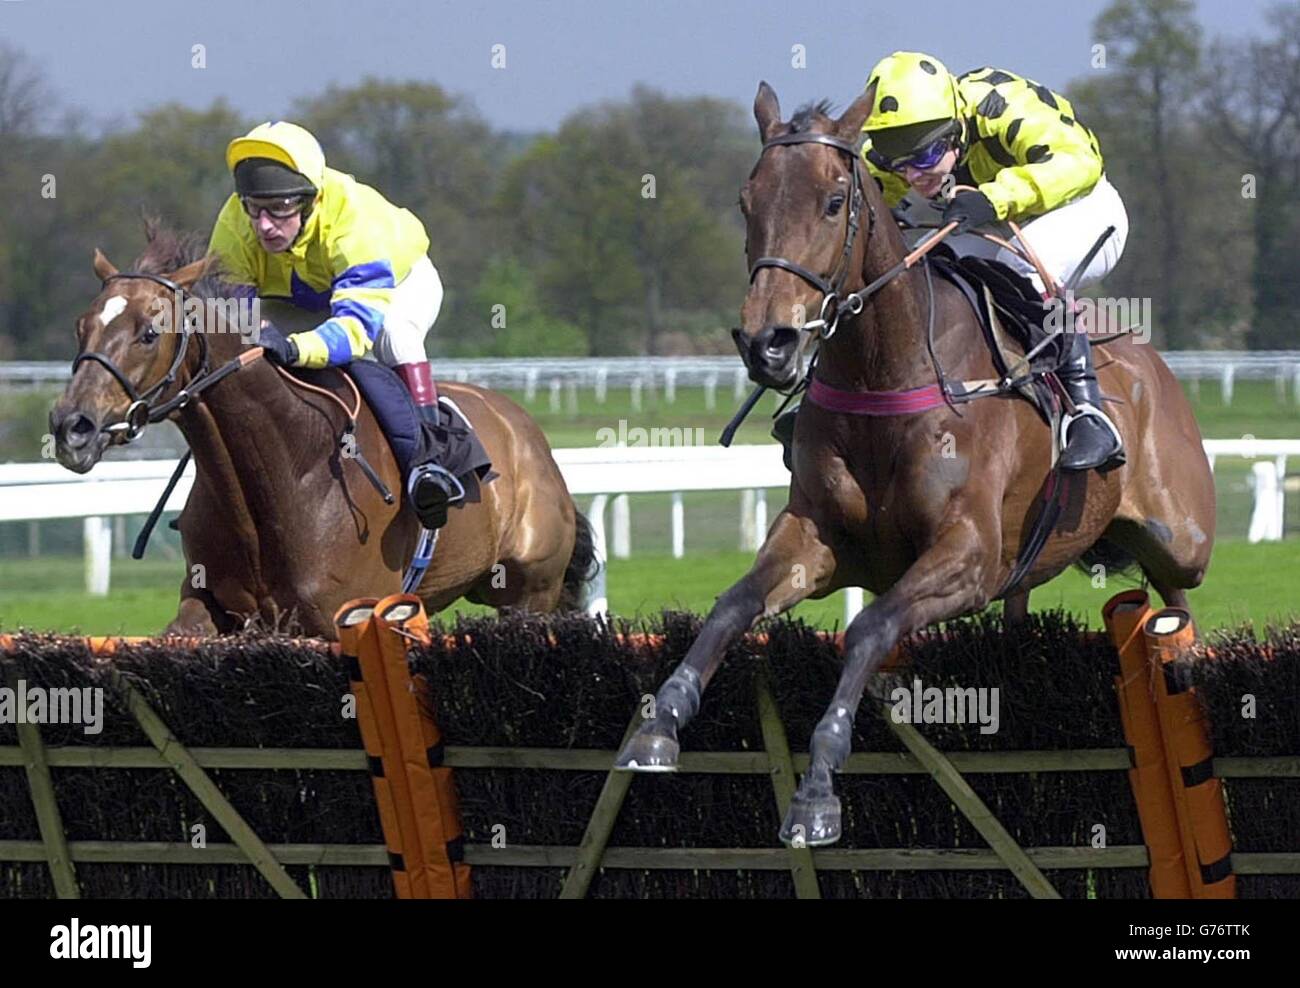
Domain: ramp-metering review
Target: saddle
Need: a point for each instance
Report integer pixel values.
(450, 442)
(1012, 316)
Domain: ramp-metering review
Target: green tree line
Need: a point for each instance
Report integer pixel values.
(618, 233)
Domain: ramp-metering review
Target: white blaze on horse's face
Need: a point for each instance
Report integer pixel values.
(114, 306)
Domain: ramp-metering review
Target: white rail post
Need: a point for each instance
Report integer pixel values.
(597, 590)
(97, 539)
(711, 391)
(571, 397)
(1264, 517)
(602, 384)
(1225, 380)
(530, 385)
(738, 388)
(679, 526)
(622, 522)
(1279, 524)
(636, 394)
(760, 517)
(852, 604)
(670, 385)
(555, 395)
(747, 539)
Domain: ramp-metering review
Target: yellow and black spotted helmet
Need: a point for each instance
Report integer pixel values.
(915, 105)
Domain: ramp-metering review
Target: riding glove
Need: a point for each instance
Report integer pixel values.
(276, 346)
(969, 210)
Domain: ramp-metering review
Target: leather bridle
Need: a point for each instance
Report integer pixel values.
(833, 301)
(142, 411)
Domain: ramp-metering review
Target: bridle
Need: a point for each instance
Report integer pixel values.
(833, 302)
(142, 411)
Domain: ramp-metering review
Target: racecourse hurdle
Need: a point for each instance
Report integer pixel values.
(255, 766)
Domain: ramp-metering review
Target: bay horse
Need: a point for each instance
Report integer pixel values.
(929, 511)
(279, 522)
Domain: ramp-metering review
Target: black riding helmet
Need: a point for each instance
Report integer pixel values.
(265, 178)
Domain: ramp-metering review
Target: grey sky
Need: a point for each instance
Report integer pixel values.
(112, 60)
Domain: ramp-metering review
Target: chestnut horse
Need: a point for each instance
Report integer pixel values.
(279, 522)
(929, 511)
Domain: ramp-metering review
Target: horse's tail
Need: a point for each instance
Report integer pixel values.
(583, 564)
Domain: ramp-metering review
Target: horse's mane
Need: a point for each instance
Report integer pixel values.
(806, 115)
(168, 250)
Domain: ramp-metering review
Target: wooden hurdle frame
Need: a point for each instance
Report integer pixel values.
(1176, 785)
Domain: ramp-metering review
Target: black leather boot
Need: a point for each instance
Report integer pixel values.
(1091, 439)
(432, 488)
(783, 430)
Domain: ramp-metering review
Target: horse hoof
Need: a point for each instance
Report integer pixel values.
(812, 821)
(649, 753)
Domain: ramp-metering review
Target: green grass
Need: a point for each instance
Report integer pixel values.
(1247, 584)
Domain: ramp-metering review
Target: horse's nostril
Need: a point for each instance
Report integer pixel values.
(78, 429)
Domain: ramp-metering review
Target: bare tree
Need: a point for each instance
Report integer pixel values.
(1252, 105)
(23, 93)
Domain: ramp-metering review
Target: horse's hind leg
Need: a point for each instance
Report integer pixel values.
(948, 579)
(1015, 608)
(792, 564)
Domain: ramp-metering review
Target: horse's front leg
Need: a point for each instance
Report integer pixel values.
(793, 564)
(953, 576)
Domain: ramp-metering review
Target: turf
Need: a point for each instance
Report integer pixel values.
(1247, 584)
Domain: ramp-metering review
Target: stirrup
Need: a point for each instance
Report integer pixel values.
(455, 487)
(1088, 410)
(441, 491)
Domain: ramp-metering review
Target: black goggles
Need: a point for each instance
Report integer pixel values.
(280, 207)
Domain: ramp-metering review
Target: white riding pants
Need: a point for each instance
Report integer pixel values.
(1060, 238)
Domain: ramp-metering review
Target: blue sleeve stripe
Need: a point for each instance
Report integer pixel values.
(337, 342)
(371, 321)
(372, 274)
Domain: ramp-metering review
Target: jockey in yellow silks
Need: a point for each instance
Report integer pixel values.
(1030, 160)
(298, 231)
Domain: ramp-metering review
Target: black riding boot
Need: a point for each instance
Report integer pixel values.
(432, 489)
(1091, 439)
(783, 430)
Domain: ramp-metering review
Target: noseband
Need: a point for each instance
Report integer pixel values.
(142, 411)
(833, 299)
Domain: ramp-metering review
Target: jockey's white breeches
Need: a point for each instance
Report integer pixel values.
(417, 300)
(1061, 238)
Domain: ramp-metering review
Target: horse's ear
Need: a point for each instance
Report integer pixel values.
(767, 110)
(103, 267)
(852, 120)
(193, 271)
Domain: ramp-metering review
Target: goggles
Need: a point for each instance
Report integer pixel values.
(280, 207)
(922, 159)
